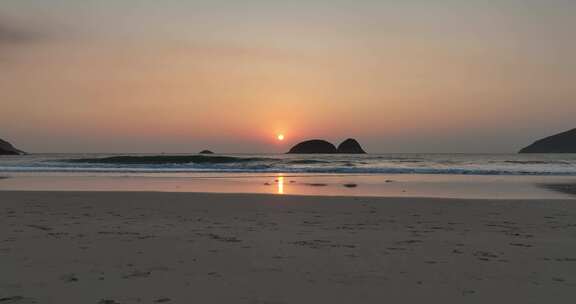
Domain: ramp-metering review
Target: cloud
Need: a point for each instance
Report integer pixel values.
(18, 40)
(16, 34)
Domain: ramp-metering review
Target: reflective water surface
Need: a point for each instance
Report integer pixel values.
(399, 185)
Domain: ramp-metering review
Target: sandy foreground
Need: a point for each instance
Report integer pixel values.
(130, 247)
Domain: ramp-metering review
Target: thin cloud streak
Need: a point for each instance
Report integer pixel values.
(15, 34)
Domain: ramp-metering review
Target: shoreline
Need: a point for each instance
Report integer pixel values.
(159, 247)
(439, 186)
(303, 196)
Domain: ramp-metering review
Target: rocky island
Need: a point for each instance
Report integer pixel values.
(314, 146)
(319, 146)
(564, 142)
(350, 146)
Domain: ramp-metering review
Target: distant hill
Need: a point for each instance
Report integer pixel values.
(7, 148)
(564, 142)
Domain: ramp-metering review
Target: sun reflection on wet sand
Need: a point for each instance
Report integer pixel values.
(280, 184)
(453, 186)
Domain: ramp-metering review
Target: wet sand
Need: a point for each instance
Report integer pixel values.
(137, 247)
(399, 185)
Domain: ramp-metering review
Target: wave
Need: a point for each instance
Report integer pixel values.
(415, 159)
(279, 163)
(273, 169)
(169, 159)
(309, 162)
(536, 162)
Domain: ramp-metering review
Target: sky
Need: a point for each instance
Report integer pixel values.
(477, 76)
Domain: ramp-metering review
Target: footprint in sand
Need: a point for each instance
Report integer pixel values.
(137, 274)
(69, 278)
(108, 301)
(17, 300)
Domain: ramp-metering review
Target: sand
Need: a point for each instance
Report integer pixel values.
(122, 247)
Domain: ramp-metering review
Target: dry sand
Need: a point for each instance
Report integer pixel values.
(97, 247)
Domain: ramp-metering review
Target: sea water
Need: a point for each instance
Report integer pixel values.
(438, 175)
(465, 164)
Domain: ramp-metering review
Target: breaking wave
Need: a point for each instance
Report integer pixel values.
(507, 164)
(168, 159)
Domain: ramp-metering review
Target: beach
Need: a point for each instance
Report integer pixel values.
(152, 247)
(287, 152)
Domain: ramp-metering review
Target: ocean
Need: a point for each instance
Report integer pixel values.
(503, 176)
(453, 164)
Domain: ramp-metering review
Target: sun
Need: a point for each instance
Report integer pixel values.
(280, 137)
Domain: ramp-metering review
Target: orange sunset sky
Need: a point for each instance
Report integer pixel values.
(180, 76)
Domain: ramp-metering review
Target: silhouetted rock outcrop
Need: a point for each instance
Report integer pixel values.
(206, 152)
(350, 146)
(7, 149)
(313, 146)
(560, 143)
